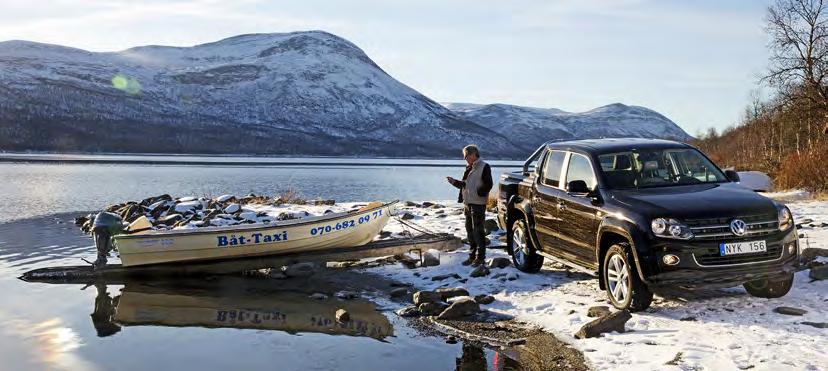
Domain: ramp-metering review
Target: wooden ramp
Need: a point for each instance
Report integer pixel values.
(85, 273)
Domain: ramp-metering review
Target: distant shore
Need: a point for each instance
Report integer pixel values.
(233, 160)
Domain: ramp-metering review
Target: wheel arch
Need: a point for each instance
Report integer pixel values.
(614, 232)
(519, 209)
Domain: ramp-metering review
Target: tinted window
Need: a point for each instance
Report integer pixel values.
(580, 169)
(658, 168)
(552, 170)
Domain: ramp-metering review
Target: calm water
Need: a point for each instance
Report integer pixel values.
(215, 324)
(32, 189)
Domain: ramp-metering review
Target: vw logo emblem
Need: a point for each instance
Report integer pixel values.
(738, 227)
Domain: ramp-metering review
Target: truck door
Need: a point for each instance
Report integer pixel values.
(545, 200)
(578, 216)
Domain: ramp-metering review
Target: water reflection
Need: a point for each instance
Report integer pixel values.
(232, 303)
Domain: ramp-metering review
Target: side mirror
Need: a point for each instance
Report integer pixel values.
(577, 186)
(732, 175)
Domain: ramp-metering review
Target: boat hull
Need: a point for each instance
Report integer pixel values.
(215, 243)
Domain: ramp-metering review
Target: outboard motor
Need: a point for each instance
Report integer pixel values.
(105, 226)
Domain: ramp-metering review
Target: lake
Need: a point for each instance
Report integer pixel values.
(204, 324)
(31, 187)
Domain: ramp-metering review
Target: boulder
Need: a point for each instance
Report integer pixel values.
(427, 204)
(152, 200)
(499, 262)
(432, 309)
(130, 212)
(480, 271)
(790, 311)
(155, 206)
(399, 292)
(251, 216)
(436, 206)
(484, 299)
(460, 308)
(407, 216)
(187, 206)
(232, 208)
(446, 293)
(431, 258)
(342, 316)
(609, 323)
(426, 297)
(819, 272)
(301, 270)
(170, 219)
(445, 276)
(490, 225)
(411, 204)
(81, 220)
(346, 295)
(411, 311)
(816, 324)
(499, 275)
(318, 296)
(812, 253)
(598, 311)
(225, 198)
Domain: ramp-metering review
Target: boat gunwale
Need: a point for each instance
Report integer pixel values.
(220, 229)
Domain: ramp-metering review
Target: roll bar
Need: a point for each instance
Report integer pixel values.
(531, 158)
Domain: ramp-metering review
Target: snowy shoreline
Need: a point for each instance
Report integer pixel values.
(714, 329)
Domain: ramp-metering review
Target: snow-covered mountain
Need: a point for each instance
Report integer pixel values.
(535, 126)
(301, 93)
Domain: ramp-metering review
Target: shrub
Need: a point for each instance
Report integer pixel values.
(807, 170)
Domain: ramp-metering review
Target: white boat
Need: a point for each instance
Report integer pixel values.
(334, 230)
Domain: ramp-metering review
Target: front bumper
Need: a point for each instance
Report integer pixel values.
(699, 266)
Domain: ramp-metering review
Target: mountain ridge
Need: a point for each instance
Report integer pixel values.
(297, 93)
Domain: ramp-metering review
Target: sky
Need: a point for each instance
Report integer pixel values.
(696, 62)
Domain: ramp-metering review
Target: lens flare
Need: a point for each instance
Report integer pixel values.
(128, 85)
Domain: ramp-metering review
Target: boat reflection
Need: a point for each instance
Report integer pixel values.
(232, 303)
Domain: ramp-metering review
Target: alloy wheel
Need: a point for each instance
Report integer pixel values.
(519, 246)
(618, 278)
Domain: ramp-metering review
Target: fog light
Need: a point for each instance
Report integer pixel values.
(670, 259)
(792, 248)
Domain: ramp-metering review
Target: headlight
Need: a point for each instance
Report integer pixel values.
(785, 219)
(670, 228)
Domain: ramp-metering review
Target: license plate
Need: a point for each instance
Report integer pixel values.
(736, 248)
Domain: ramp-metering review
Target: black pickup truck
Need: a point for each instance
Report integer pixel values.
(641, 214)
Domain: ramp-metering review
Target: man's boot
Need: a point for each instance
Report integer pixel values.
(470, 260)
(478, 262)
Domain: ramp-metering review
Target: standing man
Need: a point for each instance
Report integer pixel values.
(474, 193)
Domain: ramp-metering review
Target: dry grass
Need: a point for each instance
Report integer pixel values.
(491, 202)
(291, 195)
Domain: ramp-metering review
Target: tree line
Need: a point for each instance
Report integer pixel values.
(785, 136)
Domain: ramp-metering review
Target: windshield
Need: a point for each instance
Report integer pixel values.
(658, 168)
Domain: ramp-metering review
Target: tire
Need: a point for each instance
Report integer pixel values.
(524, 256)
(623, 286)
(770, 288)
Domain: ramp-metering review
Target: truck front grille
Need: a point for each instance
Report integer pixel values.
(719, 228)
(712, 258)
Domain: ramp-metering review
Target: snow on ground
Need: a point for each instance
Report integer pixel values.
(716, 330)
